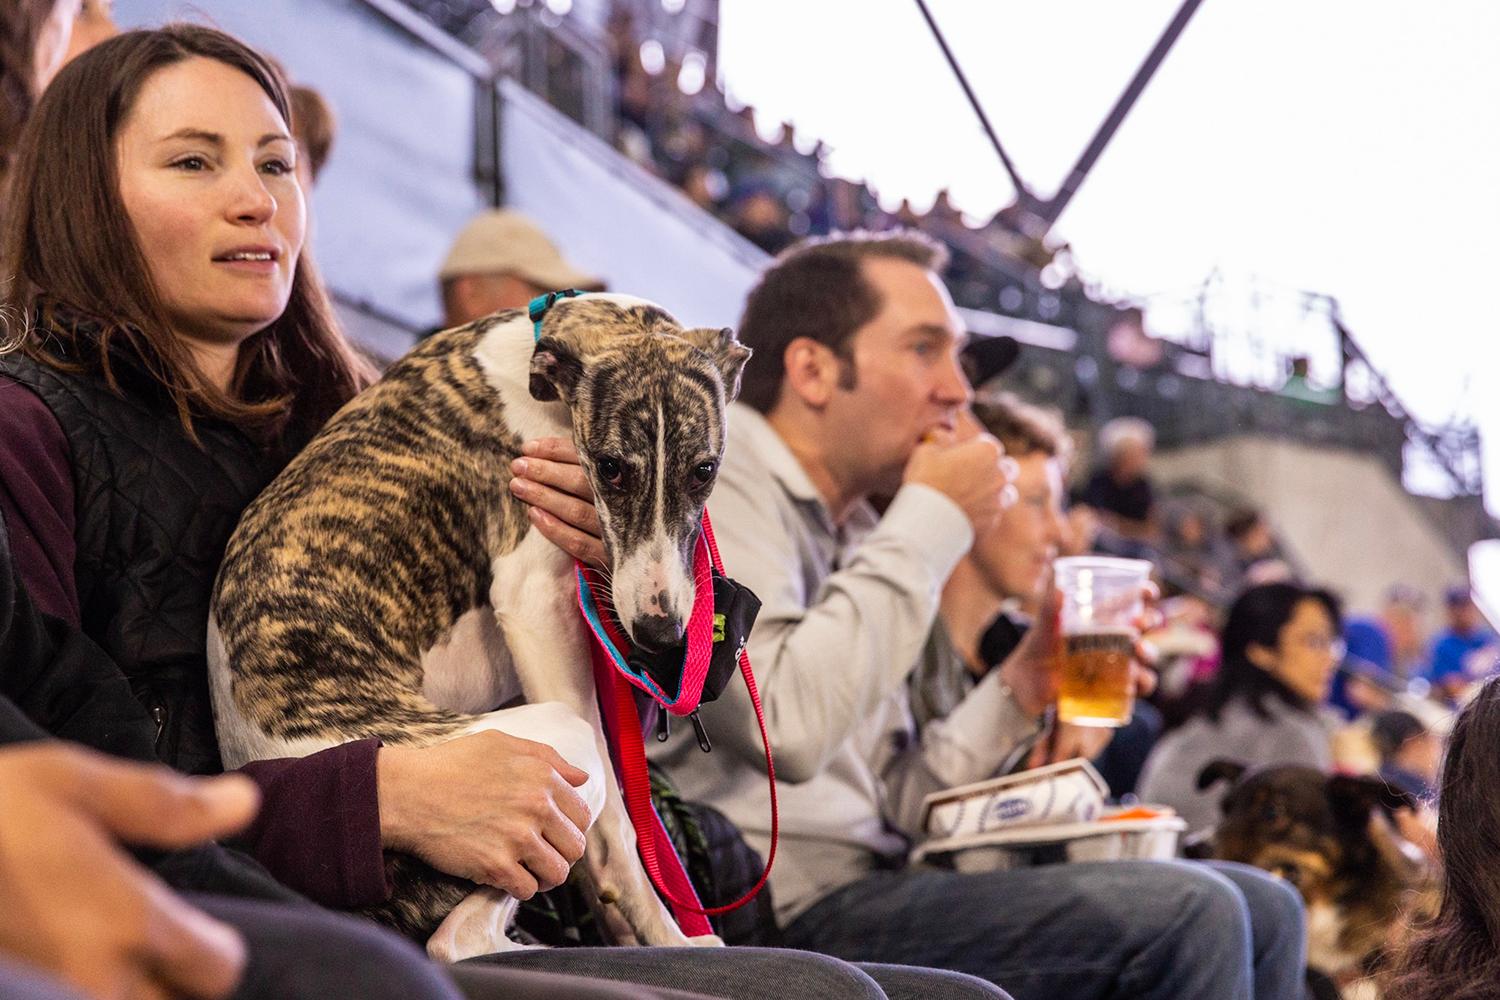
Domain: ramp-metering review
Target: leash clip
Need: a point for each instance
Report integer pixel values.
(663, 725)
(700, 732)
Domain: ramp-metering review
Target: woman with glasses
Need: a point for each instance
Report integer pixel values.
(1279, 650)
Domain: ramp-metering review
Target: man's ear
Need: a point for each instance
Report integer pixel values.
(555, 371)
(811, 371)
(729, 354)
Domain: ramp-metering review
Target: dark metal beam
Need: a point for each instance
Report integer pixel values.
(1024, 196)
(1051, 210)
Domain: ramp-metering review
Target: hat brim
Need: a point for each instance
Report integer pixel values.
(556, 279)
(984, 358)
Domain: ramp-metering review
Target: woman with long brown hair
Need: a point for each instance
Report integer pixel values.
(167, 349)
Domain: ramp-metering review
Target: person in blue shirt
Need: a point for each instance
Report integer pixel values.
(1456, 652)
(1381, 650)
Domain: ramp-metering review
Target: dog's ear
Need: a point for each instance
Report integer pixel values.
(1352, 797)
(729, 354)
(555, 371)
(1219, 770)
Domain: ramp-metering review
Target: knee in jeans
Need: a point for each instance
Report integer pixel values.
(1216, 907)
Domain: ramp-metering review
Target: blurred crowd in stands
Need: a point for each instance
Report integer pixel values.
(774, 193)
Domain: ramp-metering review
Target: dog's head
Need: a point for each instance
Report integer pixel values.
(647, 398)
(1313, 829)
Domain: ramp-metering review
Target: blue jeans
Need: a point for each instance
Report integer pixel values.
(1146, 930)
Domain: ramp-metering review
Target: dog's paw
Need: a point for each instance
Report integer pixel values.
(706, 941)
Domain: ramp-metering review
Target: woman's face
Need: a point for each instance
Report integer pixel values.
(1014, 553)
(206, 168)
(1306, 651)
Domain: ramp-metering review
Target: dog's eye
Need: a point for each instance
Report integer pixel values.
(611, 471)
(703, 473)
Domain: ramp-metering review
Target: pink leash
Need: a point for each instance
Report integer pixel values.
(622, 725)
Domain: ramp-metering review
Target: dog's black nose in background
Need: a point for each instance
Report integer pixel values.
(654, 633)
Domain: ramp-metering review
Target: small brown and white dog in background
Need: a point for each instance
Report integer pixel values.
(387, 584)
(1330, 836)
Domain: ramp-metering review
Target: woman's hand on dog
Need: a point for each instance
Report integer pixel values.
(559, 499)
(489, 807)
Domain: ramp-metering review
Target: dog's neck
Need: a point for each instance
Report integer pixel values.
(504, 354)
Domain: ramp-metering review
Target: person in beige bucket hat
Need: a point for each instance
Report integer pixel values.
(503, 260)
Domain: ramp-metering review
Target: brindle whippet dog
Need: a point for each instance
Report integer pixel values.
(387, 584)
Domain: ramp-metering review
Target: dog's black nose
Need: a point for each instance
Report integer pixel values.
(654, 633)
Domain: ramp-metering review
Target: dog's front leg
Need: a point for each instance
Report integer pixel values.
(549, 648)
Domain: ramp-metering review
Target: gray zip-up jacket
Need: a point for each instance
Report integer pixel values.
(846, 612)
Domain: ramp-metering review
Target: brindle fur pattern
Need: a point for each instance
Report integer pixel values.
(365, 551)
(375, 541)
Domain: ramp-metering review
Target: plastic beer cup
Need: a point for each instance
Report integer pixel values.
(1102, 601)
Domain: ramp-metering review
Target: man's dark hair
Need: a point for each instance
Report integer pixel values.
(817, 289)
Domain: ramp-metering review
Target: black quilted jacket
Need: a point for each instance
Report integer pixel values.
(152, 514)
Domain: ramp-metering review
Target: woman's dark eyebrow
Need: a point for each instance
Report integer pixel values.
(215, 139)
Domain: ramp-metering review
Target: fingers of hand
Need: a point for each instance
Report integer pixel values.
(551, 449)
(1143, 679)
(583, 547)
(511, 877)
(565, 834)
(545, 865)
(146, 804)
(187, 949)
(564, 507)
(556, 476)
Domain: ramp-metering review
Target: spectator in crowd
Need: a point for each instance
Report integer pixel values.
(1466, 651)
(313, 128)
(1392, 638)
(1380, 650)
(34, 39)
(995, 594)
(856, 391)
(95, 22)
(152, 385)
(757, 213)
(1409, 753)
(1192, 560)
(1254, 556)
(1000, 579)
(503, 260)
(1457, 955)
(1120, 488)
(1279, 648)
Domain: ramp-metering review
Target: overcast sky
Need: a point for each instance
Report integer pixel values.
(1350, 147)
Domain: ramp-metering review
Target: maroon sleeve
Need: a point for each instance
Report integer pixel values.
(318, 830)
(36, 497)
